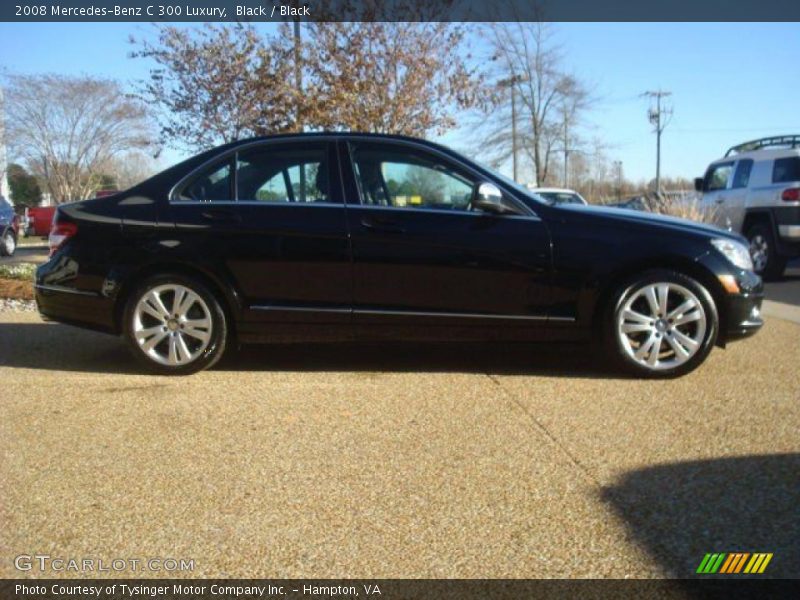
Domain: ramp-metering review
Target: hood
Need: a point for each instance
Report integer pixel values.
(644, 219)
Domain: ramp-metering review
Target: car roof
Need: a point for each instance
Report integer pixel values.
(766, 154)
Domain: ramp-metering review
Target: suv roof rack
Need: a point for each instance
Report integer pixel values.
(792, 141)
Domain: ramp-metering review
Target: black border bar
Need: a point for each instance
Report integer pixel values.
(397, 10)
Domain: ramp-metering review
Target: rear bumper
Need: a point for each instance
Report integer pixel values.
(74, 307)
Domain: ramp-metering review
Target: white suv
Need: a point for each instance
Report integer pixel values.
(755, 190)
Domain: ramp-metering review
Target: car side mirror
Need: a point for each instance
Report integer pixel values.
(698, 184)
(489, 198)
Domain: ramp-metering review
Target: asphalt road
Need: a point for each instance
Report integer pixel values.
(402, 461)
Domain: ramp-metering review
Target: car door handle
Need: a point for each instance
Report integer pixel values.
(221, 215)
(381, 226)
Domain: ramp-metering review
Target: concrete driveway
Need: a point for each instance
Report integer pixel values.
(401, 461)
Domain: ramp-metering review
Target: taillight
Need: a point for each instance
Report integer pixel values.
(60, 232)
(791, 195)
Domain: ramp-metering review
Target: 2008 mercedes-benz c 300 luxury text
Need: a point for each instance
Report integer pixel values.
(326, 237)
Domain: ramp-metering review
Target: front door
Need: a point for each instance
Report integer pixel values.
(426, 263)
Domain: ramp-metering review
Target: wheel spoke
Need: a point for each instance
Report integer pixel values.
(681, 353)
(173, 351)
(686, 306)
(685, 340)
(688, 318)
(201, 334)
(183, 349)
(642, 351)
(154, 341)
(636, 327)
(662, 291)
(177, 300)
(637, 317)
(154, 302)
(652, 359)
(650, 294)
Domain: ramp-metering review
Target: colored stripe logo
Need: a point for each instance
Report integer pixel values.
(732, 563)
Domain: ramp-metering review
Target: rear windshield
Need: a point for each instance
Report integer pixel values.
(786, 169)
(559, 197)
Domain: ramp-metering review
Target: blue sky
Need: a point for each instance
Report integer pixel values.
(730, 82)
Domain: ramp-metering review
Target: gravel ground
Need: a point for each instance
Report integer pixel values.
(397, 461)
(15, 305)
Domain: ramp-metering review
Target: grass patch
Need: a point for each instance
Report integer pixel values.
(18, 272)
(14, 288)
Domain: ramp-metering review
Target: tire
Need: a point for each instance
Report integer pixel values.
(764, 251)
(170, 345)
(655, 343)
(8, 244)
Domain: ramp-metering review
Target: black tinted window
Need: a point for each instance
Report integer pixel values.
(786, 169)
(403, 178)
(275, 173)
(742, 176)
(212, 185)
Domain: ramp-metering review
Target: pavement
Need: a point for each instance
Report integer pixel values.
(396, 461)
(27, 254)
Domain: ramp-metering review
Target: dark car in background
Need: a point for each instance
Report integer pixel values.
(9, 228)
(329, 237)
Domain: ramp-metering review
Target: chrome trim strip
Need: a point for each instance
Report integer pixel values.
(411, 313)
(235, 203)
(424, 211)
(320, 309)
(65, 290)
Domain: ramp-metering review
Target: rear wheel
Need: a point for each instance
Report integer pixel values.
(174, 325)
(661, 324)
(8, 245)
(764, 252)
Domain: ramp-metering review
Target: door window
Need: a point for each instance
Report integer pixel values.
(274, 173)
(742, 176)
(212, 185)
(786, 170)
(718, 176)
(400, 178)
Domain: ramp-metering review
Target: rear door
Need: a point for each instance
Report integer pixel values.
(425, 263)
(269, 217)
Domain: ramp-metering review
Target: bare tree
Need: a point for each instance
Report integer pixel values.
(549, 101)
(387, 77)
(68, 129)
(218, 84)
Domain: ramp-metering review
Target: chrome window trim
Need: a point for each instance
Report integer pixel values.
(433, 150)
(333, 139)
(253, 203)
(441, 211)
(410, 313)
(232, 151)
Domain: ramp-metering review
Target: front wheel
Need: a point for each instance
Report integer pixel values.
(661, 324)
(174, 325)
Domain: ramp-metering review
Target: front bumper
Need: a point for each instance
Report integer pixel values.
(742, 311)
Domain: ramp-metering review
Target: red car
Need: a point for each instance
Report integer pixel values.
(38, 220)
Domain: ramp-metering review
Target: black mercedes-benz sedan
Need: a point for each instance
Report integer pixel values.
(326, 237)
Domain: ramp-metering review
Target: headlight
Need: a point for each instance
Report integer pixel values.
(735, 252)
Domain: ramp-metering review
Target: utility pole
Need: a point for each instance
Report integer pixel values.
(566, 150)
(660, 117)
(298, 82)
(510, 83)
(4, 189)
(618, 171)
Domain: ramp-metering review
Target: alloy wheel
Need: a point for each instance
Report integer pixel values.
(662, 325)
(9, 244)
(759, 252)
(172, 324)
